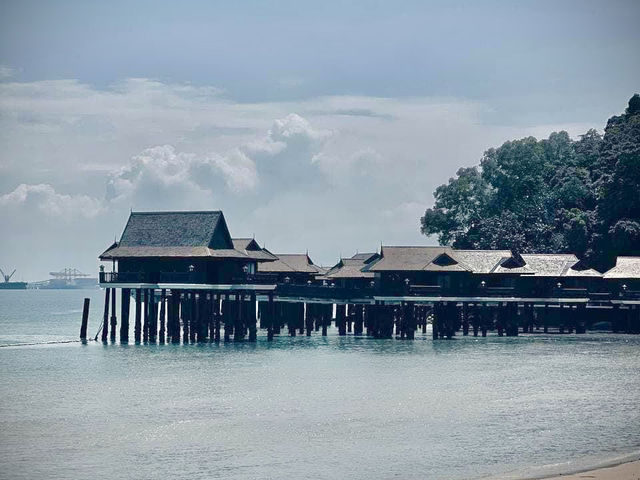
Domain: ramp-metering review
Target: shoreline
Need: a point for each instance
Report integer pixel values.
(626, 467)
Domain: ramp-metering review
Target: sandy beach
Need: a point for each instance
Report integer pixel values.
(625, 471)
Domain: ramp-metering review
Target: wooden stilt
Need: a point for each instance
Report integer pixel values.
(153, 316)
(216, 318)
(270, 317)
(137, 329)
(185, 309)
(163, 314)
(194, 317)
(85, 319)
(145, 325)
(125, 302)
(105, 317)
(253, 331)
(238, 327)
(114, 319)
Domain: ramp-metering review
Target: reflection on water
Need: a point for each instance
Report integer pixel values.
(302, 407)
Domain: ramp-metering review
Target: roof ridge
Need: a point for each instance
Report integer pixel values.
(415, 246)
(161, 212)
(550, 254)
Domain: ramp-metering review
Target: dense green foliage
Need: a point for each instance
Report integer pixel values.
(552, 195)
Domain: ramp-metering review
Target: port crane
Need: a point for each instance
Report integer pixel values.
(68, 274)
(7, 278)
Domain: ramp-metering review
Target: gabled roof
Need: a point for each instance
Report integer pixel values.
(482, 261)
(587, 272)
(366, 257)
(349, 268)
(446, 262)
(626, 267)
(290, 263)
(396, 258)
(513, 264)
(253, 251)
(174, 234)
(550, 264)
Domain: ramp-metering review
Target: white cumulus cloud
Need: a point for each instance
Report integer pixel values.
(44, 198)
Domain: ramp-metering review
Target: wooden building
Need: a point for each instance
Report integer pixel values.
(348, 272)
(180, 247)
(624, 278)
(294, 268)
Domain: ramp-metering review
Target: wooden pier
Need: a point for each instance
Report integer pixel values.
(192, 283)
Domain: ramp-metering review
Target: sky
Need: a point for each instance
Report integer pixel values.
(315, 126)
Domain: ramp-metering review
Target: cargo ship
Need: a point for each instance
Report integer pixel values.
(7, 284)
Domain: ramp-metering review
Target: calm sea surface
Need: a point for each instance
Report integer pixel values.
(317, 408)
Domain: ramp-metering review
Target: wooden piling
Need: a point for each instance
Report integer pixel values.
(216, 319)
(105, 316)
(137, 328)
(125, 302)
(85, 319)
(173, 322)
(253, 331)
(163, 314)
(238, 327)
(270, 312)
(114, 319)
(184, 315)
(145, 325)
(194, 317)
(153, 316)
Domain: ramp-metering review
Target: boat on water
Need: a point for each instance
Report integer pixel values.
(7, 284)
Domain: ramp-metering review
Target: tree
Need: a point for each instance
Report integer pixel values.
(552, 195)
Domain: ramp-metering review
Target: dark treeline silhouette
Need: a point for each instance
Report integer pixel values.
(552, 195)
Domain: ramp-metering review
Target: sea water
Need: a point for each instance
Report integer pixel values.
(318, 408)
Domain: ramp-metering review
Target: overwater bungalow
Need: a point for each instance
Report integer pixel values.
(180, 247)
(437, 271)
(624, 278)
(294, 268)
(185, 269)
(348, 272)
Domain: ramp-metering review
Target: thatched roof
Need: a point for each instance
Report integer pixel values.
(550, 264)
(482, 261)
(446, 259)
(290, 263)
(441, 259)
(396, 258)
(253, 251)
(349, 268)
(174, 234)
(365, 257)
(626, 267)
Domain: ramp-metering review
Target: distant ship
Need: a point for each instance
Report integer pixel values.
(9, 285)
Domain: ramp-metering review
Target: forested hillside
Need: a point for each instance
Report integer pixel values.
(553, 195)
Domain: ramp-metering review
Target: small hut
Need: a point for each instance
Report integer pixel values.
(348, 272)
(296, 268)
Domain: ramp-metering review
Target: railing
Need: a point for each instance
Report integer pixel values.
(425, 290)
(123, 277)
(322, 291)
(497, 291)
(630, 294)
(152, 277)
(256, 279)
(182, 277)
(600, 296)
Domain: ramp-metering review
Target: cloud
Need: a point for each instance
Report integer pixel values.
(332, 174)
(238, 169)
(44, 198)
